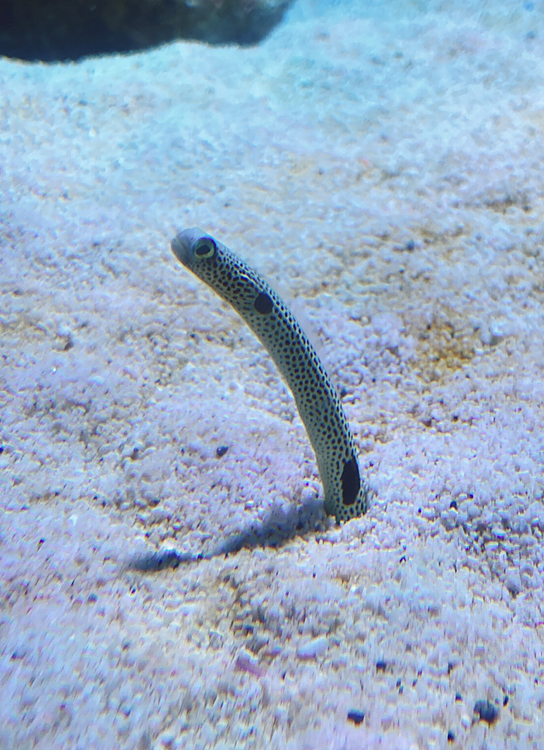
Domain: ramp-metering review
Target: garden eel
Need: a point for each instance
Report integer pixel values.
(317, 401)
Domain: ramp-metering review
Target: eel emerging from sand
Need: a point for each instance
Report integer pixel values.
(317, 400)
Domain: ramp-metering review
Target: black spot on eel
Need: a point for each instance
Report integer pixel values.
(318, 403)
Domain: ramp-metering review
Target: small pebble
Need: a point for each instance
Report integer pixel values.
(356, 717)
(381, 666)
(19, 653)
(486, 711)
(313, 648)
(221, 450)
(244, 663)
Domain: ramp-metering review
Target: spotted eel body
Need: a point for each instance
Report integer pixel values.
(317, 400)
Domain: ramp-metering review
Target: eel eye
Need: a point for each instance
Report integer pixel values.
(205, 247)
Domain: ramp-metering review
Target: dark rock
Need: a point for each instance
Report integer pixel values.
(71, 29)
(486, 711)
(356, 717)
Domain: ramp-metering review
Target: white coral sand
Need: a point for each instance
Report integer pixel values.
(386, 167)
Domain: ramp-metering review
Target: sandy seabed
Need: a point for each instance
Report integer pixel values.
(385, 168)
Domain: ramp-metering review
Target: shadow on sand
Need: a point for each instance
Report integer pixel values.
(277, 529)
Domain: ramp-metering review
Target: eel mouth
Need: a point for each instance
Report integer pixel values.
(183, 245)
